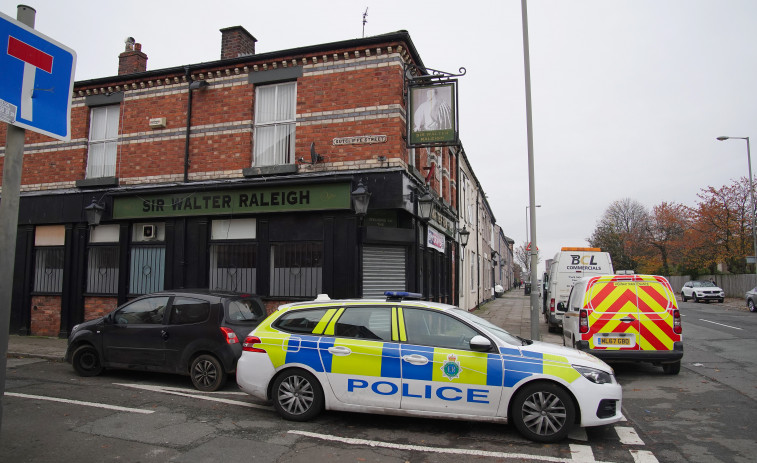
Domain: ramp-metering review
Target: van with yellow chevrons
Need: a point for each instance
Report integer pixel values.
(625, 318)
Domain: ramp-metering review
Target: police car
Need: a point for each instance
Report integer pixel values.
(410, 357)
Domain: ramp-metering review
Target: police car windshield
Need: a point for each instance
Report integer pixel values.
(493, 329)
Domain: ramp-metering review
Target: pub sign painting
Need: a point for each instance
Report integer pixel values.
(433, 115)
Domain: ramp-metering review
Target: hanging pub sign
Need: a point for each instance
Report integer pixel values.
(432, 119)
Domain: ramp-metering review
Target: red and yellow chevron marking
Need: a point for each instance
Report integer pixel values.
(647, 299)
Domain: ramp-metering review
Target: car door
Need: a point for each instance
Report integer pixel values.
(440, 371)
(360, 360)
(133, 336)
(187, 327)
(613, 314)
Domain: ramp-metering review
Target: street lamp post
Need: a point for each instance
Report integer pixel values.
(751, 193)
(527, 240)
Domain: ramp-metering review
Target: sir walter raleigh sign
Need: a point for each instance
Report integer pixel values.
(238, 201)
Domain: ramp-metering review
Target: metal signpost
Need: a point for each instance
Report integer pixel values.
(36, 84)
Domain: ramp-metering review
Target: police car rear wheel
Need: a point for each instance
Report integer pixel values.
(543, 412)
(297, 396)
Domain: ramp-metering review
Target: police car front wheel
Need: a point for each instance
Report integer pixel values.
(297, 395)
(543, 412)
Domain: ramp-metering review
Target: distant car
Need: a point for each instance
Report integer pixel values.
(189, 332)
(424, 359)
(751, 299)
(702, 291)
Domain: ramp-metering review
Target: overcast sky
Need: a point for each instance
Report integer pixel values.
(628, 96)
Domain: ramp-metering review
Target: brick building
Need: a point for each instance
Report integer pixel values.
(236, 174)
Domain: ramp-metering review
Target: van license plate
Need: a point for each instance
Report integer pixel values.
(607, 341)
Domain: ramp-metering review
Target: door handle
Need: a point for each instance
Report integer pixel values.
(339, 350)
(415, 359)
(628, 319)
(164, 335)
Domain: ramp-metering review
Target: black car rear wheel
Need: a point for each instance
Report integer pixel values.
(86, 361)
(207, 373)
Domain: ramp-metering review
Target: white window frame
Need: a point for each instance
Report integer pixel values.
(102, 152)
(262, 157)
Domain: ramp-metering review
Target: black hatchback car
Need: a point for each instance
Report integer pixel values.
(189, 332)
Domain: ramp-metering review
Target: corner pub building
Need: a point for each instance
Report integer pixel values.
(238, 174)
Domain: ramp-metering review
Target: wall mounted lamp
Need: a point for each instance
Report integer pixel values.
(94, 212)
(425, 204)
(464, 235)
(360, 199)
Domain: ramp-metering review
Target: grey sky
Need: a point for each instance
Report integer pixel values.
(628, 96)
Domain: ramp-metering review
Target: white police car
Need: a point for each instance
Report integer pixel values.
(411, 357)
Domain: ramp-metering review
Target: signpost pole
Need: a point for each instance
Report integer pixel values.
(9, 205)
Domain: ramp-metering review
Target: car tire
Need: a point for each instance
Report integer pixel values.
(695, 298)
(86, 361)
(207, 373)
(543, 412)
(721, 300)
(671, 368)
(683, 297)
(752, 307)
(297, 395)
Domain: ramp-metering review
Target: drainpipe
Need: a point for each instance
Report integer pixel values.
(193, 85)
(478, 252)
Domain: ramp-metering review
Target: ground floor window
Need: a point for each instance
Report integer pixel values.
(233, 266)
(102, 269)
(147, 267)
(296, 269)
(48, 269)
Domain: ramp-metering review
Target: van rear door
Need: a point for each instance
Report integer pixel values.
(656, 309)
(613, 313)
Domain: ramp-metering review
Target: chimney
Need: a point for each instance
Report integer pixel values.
(132, 59)
(236, 41)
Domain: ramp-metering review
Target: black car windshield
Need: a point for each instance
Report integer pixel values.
(494, 329)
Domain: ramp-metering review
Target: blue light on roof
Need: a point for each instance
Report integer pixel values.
(402, 295)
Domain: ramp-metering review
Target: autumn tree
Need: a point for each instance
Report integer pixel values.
(622, 231)
(665, 230)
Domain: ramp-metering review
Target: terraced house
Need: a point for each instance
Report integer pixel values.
(285, 174)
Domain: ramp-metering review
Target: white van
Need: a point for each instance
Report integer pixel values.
(568, 266)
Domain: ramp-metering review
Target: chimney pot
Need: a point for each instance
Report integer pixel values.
(236, 41)
(132, 60)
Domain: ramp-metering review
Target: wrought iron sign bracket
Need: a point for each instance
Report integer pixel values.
(424, 75)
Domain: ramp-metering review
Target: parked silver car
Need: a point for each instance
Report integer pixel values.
(751, 299)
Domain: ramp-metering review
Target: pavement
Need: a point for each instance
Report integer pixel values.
(511, 311)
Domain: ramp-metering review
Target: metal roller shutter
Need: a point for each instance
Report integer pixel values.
(383, 270)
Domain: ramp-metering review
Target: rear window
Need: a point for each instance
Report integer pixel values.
(245, 310)
(300, 321)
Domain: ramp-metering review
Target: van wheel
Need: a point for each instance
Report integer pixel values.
(207, 373)
(86, 361)
(543, 412)
(672, 368)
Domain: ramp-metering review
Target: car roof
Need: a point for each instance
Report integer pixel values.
(215, 293)
(321, 302)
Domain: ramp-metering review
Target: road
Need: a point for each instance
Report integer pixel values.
(701, 415)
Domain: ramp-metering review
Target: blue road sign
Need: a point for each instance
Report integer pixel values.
(36, 80)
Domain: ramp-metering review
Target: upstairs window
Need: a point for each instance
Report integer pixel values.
(103, 141)
(275, 111)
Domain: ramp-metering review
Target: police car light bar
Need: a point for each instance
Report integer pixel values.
(400, 295)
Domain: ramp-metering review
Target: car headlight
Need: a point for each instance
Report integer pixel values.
(594, 375)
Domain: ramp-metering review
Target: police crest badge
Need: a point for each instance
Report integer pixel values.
(451, 368)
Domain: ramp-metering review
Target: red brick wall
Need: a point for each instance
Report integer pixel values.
(45, 315)
(95, 307)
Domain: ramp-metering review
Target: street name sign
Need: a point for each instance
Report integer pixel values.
(36, 80)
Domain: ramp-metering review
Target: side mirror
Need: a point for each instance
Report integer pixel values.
(561, 307)
(480, 344)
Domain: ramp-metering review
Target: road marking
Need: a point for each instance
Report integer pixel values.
(579, 453)
(716, 323)
(643, 456)
(176, 391)
(628, 436)
(79, 402)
